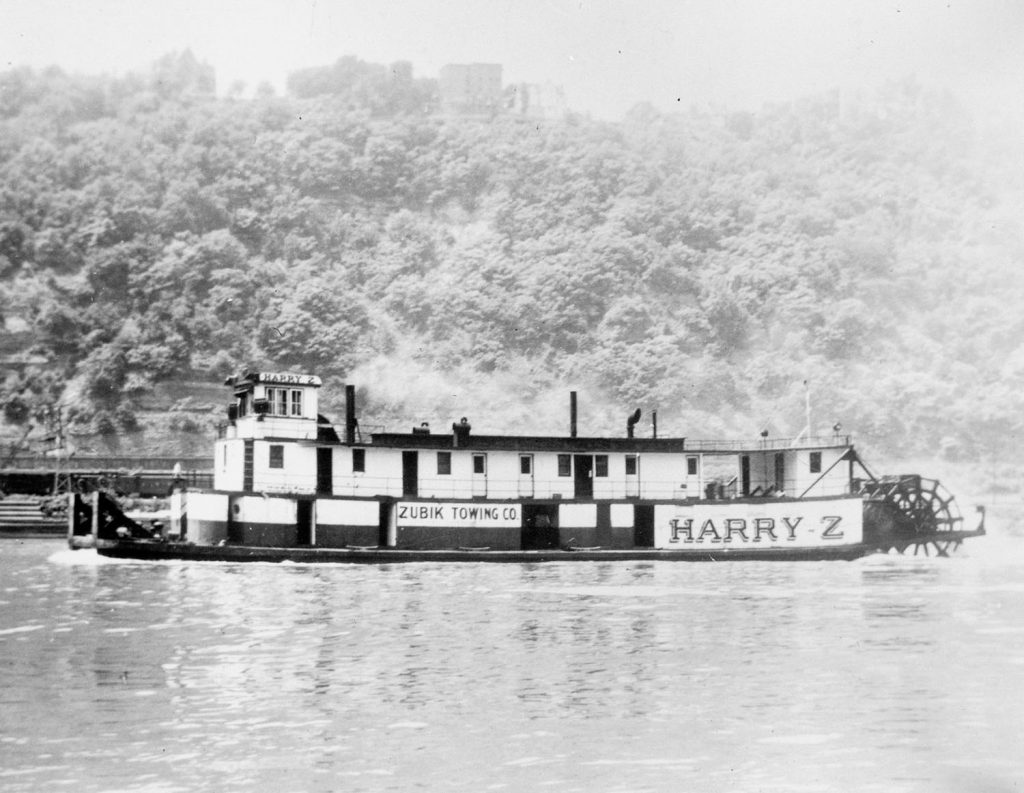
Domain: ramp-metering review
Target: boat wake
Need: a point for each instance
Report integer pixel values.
(84, 557)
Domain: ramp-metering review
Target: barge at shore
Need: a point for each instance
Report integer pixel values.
(287, 486)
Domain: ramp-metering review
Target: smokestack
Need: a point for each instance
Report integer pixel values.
(654, 422)
(350, 414)
(460, 433)
(633, 419)
(572, 414)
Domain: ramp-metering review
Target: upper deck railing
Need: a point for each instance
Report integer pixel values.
(767, 444)
(699, 445)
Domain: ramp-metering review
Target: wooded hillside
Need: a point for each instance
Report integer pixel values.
(705, 264)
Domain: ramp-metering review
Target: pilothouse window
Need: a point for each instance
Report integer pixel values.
(284, 402)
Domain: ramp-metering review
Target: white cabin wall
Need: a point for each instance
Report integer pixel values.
(382, 475)
(384, 470)
(835, 482)
(453, 485)
(503, 474)
(797, 476)
(298, 475)
(662, 475)
(461, 480)
(228, 470)
(577, 516)
(201, 517)
(301, 429)
(613, 485)
(546, 481)
(345, 482)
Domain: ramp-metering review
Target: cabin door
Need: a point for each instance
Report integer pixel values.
(479, 474)
(632, 476)
(745, 475)
(643, 525)
(780, 471)
(526, 476)
(304, 522)
(584, 464)
(410, 474)
(692, 477)
(324, 470)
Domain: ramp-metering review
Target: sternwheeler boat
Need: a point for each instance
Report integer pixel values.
(290, 486)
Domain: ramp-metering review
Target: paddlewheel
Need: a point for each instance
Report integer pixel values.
(911, 511)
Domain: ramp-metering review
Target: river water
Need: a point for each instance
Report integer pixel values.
(888, 674)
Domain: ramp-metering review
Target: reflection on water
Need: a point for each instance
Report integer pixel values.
(889, 674)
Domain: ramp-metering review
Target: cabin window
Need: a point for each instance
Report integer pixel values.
(283, 402)
(276, 455)
(479, 464)
(525, 463)
(815, 462)
(601, 465)
(358, 461)
(631, 464)
(243, 405)
(691, 466)
(564, 465)
(444, 463)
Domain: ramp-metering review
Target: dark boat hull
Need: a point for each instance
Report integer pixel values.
(160, 551)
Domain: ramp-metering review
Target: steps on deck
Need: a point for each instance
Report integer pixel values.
(22, 514)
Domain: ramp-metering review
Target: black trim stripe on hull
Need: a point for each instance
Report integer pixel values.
(154, 551)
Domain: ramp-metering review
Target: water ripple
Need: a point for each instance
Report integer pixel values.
(877, 675)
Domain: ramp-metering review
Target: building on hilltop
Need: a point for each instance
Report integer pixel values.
(471, 89)
(536, 100)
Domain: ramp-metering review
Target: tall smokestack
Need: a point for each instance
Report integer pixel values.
(654, 422)
(633, 419)
(350, 414)
(572, 414)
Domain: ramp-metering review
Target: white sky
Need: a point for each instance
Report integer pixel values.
(607, 54)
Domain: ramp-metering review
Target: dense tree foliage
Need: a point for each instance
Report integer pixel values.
(706, 264)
